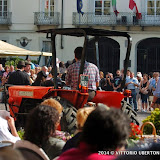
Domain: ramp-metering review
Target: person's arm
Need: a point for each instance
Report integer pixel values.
(154, 101)
(127, 84)
(147, 85)
(109, 82)
(11, 124)
(97, 78)
(119, 86)
(140, 86)
(136, 83)
(97, 84)
(68, 77)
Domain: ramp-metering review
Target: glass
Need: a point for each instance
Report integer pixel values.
(157, 11)
(150, 11)
(106, 3)
(106, 11)
(98, 4)
(150, 4)
(52, 2)
(47, 46)
(51, 8)
(158, 4)
(5, 2)
(5, 8)
(98, 11)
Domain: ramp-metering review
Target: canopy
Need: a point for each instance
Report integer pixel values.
(7, 49)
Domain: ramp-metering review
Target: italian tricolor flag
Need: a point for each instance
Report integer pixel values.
(114, 3)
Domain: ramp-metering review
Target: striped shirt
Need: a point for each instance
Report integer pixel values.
(89, 69)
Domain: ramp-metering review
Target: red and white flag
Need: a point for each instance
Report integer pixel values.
(133, 4)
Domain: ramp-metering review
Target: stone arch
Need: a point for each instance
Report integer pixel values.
(148, 55)
(109, 54)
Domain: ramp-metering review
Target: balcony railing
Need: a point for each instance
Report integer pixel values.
(5, 18)
(122, 19)
(46, 18)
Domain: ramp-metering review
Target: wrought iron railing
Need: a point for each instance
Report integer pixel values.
(46, 18)
(123, 19)
(5, 18)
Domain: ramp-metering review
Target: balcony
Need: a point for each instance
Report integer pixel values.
(46, 18)
(122, 19)
(5, 18)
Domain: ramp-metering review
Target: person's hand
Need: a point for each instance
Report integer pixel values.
(10, 121)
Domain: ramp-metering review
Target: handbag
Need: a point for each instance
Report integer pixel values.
(147, 140)
(153, 137)
(144, 91)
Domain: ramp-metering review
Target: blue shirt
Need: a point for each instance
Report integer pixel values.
(157, 91)
(131, 85)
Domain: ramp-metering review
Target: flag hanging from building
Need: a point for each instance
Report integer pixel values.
(80, 6)
(133, 4)
(114, 5)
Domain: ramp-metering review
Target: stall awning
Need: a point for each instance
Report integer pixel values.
(7, 49)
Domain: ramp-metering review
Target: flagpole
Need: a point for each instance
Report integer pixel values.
(79, 18)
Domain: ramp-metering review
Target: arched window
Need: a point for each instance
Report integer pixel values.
(148, 55)
(109, 54)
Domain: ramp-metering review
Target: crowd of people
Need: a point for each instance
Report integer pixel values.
(100, 129)
(142, 88)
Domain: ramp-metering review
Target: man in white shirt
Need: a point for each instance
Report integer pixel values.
(131, 84)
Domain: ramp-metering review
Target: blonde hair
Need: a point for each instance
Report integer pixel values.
(82, 115)
(53, 103)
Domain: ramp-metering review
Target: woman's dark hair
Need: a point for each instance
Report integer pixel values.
(150, 74)
(61, 64)
(6, 67)
(40, 124)
(106, 129)
(39, 78)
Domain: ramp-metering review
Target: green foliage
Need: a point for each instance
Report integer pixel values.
(13, 61)
(155, 119)
(21, 133)
(34, 61)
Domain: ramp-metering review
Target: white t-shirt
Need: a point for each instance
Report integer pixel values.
(5, 135)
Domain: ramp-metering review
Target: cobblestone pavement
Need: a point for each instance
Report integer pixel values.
(141, 115)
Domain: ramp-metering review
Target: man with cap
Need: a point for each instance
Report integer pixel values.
(19, 77)
(27, 67)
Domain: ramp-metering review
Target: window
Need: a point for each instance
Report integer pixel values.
(153, 7)
(49, 5)
(3, 7)
(46, 46)
(102, 7)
